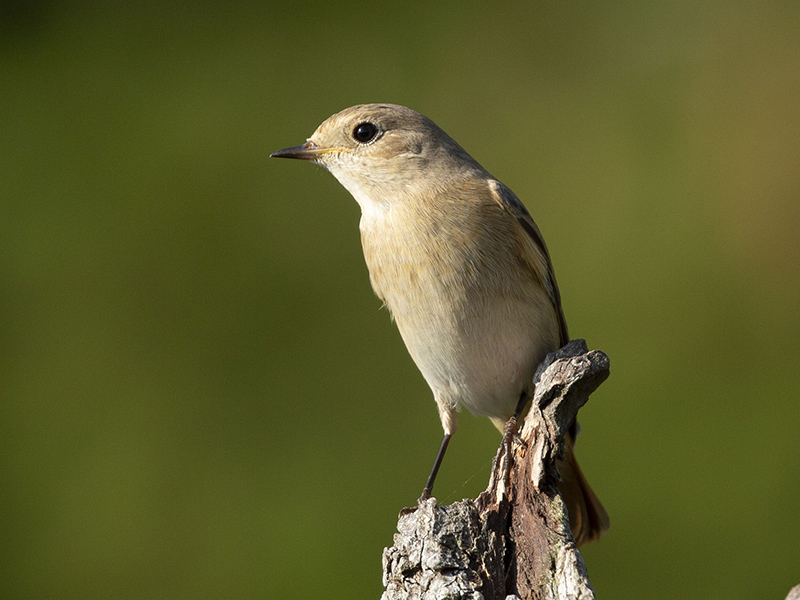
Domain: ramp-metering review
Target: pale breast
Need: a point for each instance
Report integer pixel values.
(471, 310)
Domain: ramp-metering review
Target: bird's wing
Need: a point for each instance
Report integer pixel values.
(512, 205)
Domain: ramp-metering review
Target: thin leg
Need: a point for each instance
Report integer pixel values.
(523, 400)
(513, 423)
(509, 432)
(426, 492)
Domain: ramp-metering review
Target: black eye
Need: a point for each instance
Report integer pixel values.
(365, 132)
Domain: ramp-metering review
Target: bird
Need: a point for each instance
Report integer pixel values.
(462, 267)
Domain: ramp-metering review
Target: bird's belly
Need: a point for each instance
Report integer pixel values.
(481, 358)
(474, 316)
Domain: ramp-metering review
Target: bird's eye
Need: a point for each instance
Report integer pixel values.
(365, 132)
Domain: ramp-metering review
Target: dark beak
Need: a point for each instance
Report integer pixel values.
(307, 151)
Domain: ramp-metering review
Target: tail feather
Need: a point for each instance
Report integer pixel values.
(587, 517)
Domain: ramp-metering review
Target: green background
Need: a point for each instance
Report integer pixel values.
(200, 397)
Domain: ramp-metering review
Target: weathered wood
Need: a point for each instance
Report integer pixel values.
(514, 540)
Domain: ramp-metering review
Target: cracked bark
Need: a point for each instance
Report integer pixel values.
(507, 543)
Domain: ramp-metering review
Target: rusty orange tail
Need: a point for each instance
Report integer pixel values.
(587, 517)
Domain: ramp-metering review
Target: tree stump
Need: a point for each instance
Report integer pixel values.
(512, 541)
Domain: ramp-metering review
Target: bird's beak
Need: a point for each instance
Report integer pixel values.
(308, 151)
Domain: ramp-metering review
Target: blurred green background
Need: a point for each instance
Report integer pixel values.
(199, 396)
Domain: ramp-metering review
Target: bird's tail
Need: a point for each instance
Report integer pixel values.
(587, 517)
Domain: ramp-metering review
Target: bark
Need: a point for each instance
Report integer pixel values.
(513, 541)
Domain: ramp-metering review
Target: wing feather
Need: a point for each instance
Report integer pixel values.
(513, 206)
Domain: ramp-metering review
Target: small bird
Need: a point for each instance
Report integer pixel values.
(462, 268)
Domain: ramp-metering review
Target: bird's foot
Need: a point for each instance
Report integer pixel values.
(500, 481)
(426, 495)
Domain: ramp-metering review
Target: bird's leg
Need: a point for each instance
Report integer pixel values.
(512, 424)
(509, 431)
(426, 491)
